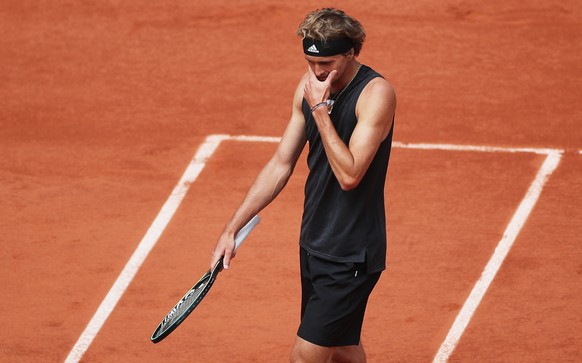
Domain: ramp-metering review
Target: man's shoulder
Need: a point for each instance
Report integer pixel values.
(376, 81)
(377, 101)
(379, 87)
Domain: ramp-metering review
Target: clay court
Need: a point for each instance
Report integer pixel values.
(130, 131)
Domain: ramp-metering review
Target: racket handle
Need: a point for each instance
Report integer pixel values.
(245, 231)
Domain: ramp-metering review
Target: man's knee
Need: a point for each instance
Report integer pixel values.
(306, 352)
(349, 354)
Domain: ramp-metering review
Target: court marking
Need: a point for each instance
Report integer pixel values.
(205, 152)
(145, 246)
(509, 236)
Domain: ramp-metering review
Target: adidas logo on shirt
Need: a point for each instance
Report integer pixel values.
(313, 49)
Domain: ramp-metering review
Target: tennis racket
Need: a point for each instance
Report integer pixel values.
(194, 296)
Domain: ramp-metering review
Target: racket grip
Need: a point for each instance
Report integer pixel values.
(245, 231)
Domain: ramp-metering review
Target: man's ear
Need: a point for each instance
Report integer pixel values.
(350, 54)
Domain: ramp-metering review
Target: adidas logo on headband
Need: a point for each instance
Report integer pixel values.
(331, 47)
(313, 49)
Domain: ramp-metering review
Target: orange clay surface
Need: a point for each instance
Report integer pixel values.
(103, 104)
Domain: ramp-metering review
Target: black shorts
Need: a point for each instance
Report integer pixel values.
(334, 299)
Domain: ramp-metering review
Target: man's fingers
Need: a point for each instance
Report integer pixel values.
(224, 249)
(315, 90)
(215, 257)
(328, 82)
(228, 255)
(331, 77)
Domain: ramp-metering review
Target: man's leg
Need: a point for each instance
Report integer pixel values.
(349, 354)
(334, 299)
(306, 352)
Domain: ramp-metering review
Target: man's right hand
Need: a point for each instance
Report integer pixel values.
(224, 248)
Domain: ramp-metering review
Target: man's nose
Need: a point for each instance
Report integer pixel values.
(319, 70)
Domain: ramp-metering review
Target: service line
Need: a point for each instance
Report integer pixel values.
(207, 149)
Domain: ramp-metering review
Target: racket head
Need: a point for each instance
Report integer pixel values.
(187, 304)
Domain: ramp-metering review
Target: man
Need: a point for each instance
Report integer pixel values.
(345, 110)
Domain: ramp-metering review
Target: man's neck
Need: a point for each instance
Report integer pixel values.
(349, 74)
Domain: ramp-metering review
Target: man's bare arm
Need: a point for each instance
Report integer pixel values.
(269, 182)
(374, 111)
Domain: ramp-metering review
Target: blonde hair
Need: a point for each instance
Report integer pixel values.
(330, 23)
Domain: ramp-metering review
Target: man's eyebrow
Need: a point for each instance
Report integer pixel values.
(318, 61)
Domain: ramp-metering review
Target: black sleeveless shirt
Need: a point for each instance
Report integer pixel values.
(337, 225)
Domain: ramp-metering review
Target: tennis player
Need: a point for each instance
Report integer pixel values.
(345, 110)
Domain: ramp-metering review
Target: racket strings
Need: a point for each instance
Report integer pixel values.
(184, 304)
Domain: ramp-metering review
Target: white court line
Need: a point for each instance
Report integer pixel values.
(254, 138)
(453, 147)
(207, 149)
(150, 239)
(425, 146)
(509, 236)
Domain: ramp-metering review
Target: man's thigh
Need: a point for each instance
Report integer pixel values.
(334, 300)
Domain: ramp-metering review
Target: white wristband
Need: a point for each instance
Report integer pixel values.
(326, 103)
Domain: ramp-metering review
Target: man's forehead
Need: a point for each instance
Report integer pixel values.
(313, 59)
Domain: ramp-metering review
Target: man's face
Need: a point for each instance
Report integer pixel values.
(322, 66)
